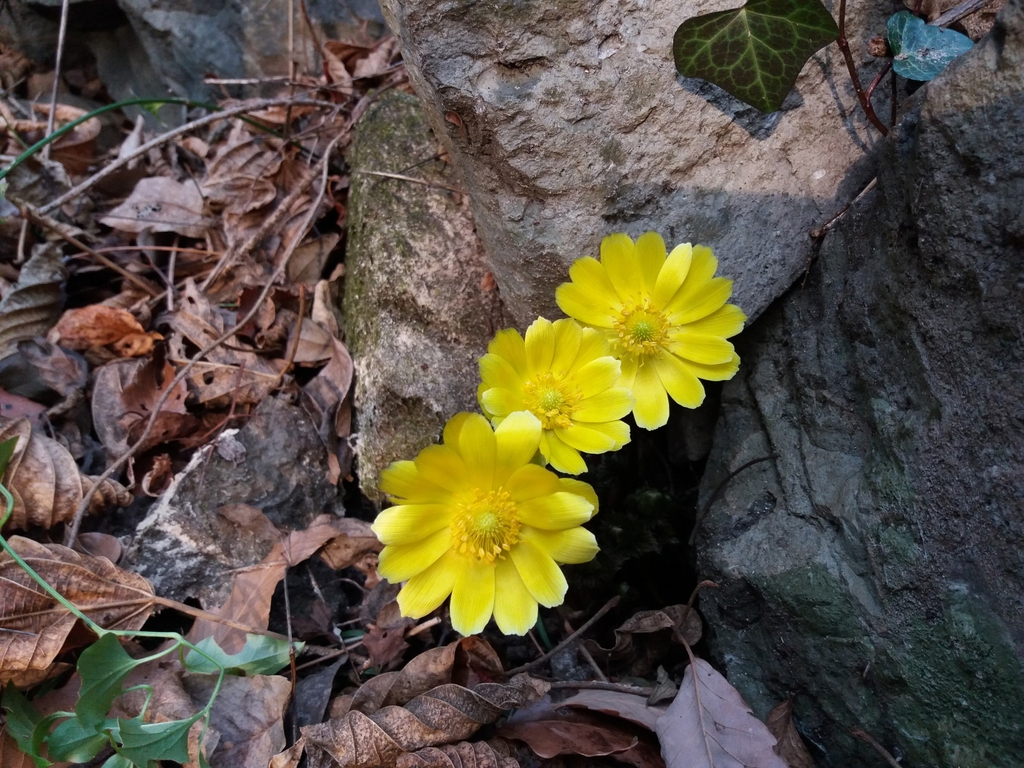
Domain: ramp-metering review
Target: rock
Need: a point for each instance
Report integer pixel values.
(569, 123)
(276, 463)
(875, 567)
(418, 308)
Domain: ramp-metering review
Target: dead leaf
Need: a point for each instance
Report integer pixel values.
(307, 263)
(252, 589)
(66, 373)
(45, 481)
(159, 477)
(354, 539)
(99, 326)
(480, 754)
(31, 307)
(37, 627)
(549, 738)
(107, 404)
(290, 757)
(74, 150)
(385, 646)
(444, 714)
(139, 399)
(790, 746)
(18, 407)
(628, 706)
(96, 544)
(684, 625)
(160, 204)
(710, 726)
(250, 519)
(316, 344)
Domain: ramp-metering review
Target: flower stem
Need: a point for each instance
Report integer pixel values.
(844, 46)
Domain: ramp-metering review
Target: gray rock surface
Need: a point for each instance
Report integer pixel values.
(569, 122)
(275, 463)
(875, 568)
(417, 310)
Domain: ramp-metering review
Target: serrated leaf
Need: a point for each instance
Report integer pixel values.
(74, 742)
(103, 666)
(143, 742)
(755, 52)
(22, 719)
(261, 655)
(921, 51)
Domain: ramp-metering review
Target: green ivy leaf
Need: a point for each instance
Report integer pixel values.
(261, 655)
(73, 742)
(103, 666)
(144, 742)
(117, 761)
(754, 52)
(7, 446)
(22, 719)
(920, 51)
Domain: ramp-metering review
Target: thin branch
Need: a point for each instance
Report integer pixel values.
(866, 737)
(965, 8)
(321, 166)
(601, 685)
(593, 620)
(721, 487)
(52, 118)
(844, 46)
(412, 179)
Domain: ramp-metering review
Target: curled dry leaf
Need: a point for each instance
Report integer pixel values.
(480, 754)
(96, 544)
(159, 204)
(568, 736)
(46, 483)
(684, 625)
(31, 307)
(444, 714)
(628, 706)
(34, 629)
(100, 326)
(709, 725)
(139, 399)
(790, 746)
(354, 539)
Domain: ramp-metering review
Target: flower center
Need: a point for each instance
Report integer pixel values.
(551, 399)
(486, 526)
(642, 329)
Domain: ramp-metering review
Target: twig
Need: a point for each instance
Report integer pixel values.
(52, 118)
(593, 620)
(706, 584)
(965, 8)
(413, 179)
(721, 486)
(198, 613)
(602, 685)
(45, 221)
(290, 360)
(844, 46)
(866, 737)
(819, 232)
(321, 165)
(245, 80)
(584, 652)
(165, 137)
(878, 79)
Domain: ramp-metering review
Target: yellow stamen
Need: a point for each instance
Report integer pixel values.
(642, 329)
(486, 526)
(552, 399)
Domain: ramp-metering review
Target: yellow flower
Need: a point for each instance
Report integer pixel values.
(565, 376)
(666, 318)
(477, 521)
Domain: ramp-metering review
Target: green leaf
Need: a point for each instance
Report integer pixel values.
(261, 655)
(117, 761)
(142, 742)
(103, 666)
(754, 52)
(22, 719)
(75, 743)
(8, 445)
(920, 51)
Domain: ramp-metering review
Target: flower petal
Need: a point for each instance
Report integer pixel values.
(540, 573)
(616, 430)
(578, 303)
(401, 481)
(401, 562)
(630, 366)
(568, 336)
(555, 512)
(651, 408)
(517, 441)
(618, 256)
(409, 523)
(499, 401)
(650, 256)
(580, 488)
(472, 596)
(709, 350)
(442, 466)
(575, 545)
(584, 439)
(609, 405)
(598, 375)
(477, 447)
(715, 372)
(562, 457)
(679, 380)
(498, 372)
(509, 344)
(453, 428)
(427, 590)
(593, 345)
(590, 275)
(672, 274)
(531, 481)
(725, 321)
(515, 610)
(711, 296)
(540, 346)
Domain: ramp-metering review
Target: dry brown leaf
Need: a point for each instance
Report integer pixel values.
(354, 539)
(159, 204)
(444, 714)
(250, 519)
(252, 589)
(107, 404)
(710, 726)
(290, 757)
(385, 646)
(159, 477)
(628, 706)
(66, 373)
(307, 263)
(38, 628)
(424, 672)
(480, 754)
(96, 544)
(684, 625)
(45, 481)
(17, 407)
(549, 738)
(31, 307)
(74, 150)
(790, 746)
(140, 396)
(316, 344)
(99, 326)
